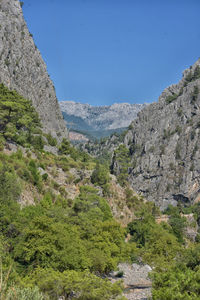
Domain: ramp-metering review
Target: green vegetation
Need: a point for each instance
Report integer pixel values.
(57, 241)
(174, 96)
(193, 76)
(9, 184)
(181, 279)
(157, 244)
(58, 247)
(171, 98)
(19, 121)
(177, 223)
(195, 94)
(77, 124)
(178, 151)
(101, 177)
(122, 156)
(51, 140)
(133, 201)
(79, 285)
(66, 148)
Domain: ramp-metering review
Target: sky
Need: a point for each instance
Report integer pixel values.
(107, 51)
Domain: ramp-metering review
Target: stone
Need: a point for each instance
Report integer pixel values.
(136, 281)
(23, 69)
(164, 145)
(98, 120)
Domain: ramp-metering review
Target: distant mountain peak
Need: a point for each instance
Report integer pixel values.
(88, 118)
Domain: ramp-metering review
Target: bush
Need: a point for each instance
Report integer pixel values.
(100, 175)
(52, 141)
(195, 94)
(171, 98)
(79, 285)
(16, 293)
(18, 119)
(45, 176)
(193, 76)
(122, 157)
(9, 184)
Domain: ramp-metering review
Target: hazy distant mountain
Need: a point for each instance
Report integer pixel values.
(99, 120)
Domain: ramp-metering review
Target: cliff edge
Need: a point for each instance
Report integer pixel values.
(23, 69)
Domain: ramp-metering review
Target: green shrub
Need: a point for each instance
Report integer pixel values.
(100, 175)
(18, 119)
(36, 178)
(193, 76)
(16, 293)
(37, 141)
(122, 157)
(9, 184)
(79, 285)
(45, 176)
(178, 151)
(171, 98)
(195, 94)
(52, 141)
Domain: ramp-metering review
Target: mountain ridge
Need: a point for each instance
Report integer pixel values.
(23, 69)
(88, 118)
(163, 145)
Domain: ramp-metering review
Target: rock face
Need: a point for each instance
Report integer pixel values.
(90, 118)
(164, 145)
(136, 280)
(23, 69)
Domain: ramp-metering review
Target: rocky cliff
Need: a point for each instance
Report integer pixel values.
(90, 118)
(23, 69)
(164, 145)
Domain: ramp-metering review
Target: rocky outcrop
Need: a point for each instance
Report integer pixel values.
(164, 145)
(23, 69)
(137, 285)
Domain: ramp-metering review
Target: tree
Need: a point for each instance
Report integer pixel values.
(122, 158)
(79, 285)
(18, 119)
(9, 184)
(100, 175)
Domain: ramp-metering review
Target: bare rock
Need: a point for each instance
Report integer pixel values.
(23, 69)
(164, 145)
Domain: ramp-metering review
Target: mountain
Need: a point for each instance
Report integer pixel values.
(163, 145)
(23, 69)
(99, 121)
(68, 229)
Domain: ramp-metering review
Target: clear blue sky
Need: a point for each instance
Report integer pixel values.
(106, 51)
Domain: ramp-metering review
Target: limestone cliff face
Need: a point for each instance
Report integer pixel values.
(23, 69)
(164, 144)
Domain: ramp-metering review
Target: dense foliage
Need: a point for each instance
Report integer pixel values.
(58, 247)
(19, 121)
(122, 156)
(69, 244)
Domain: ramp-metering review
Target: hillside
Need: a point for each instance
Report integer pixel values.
(67, 225)
(23, 69)
(163, 145)
(99, 121)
